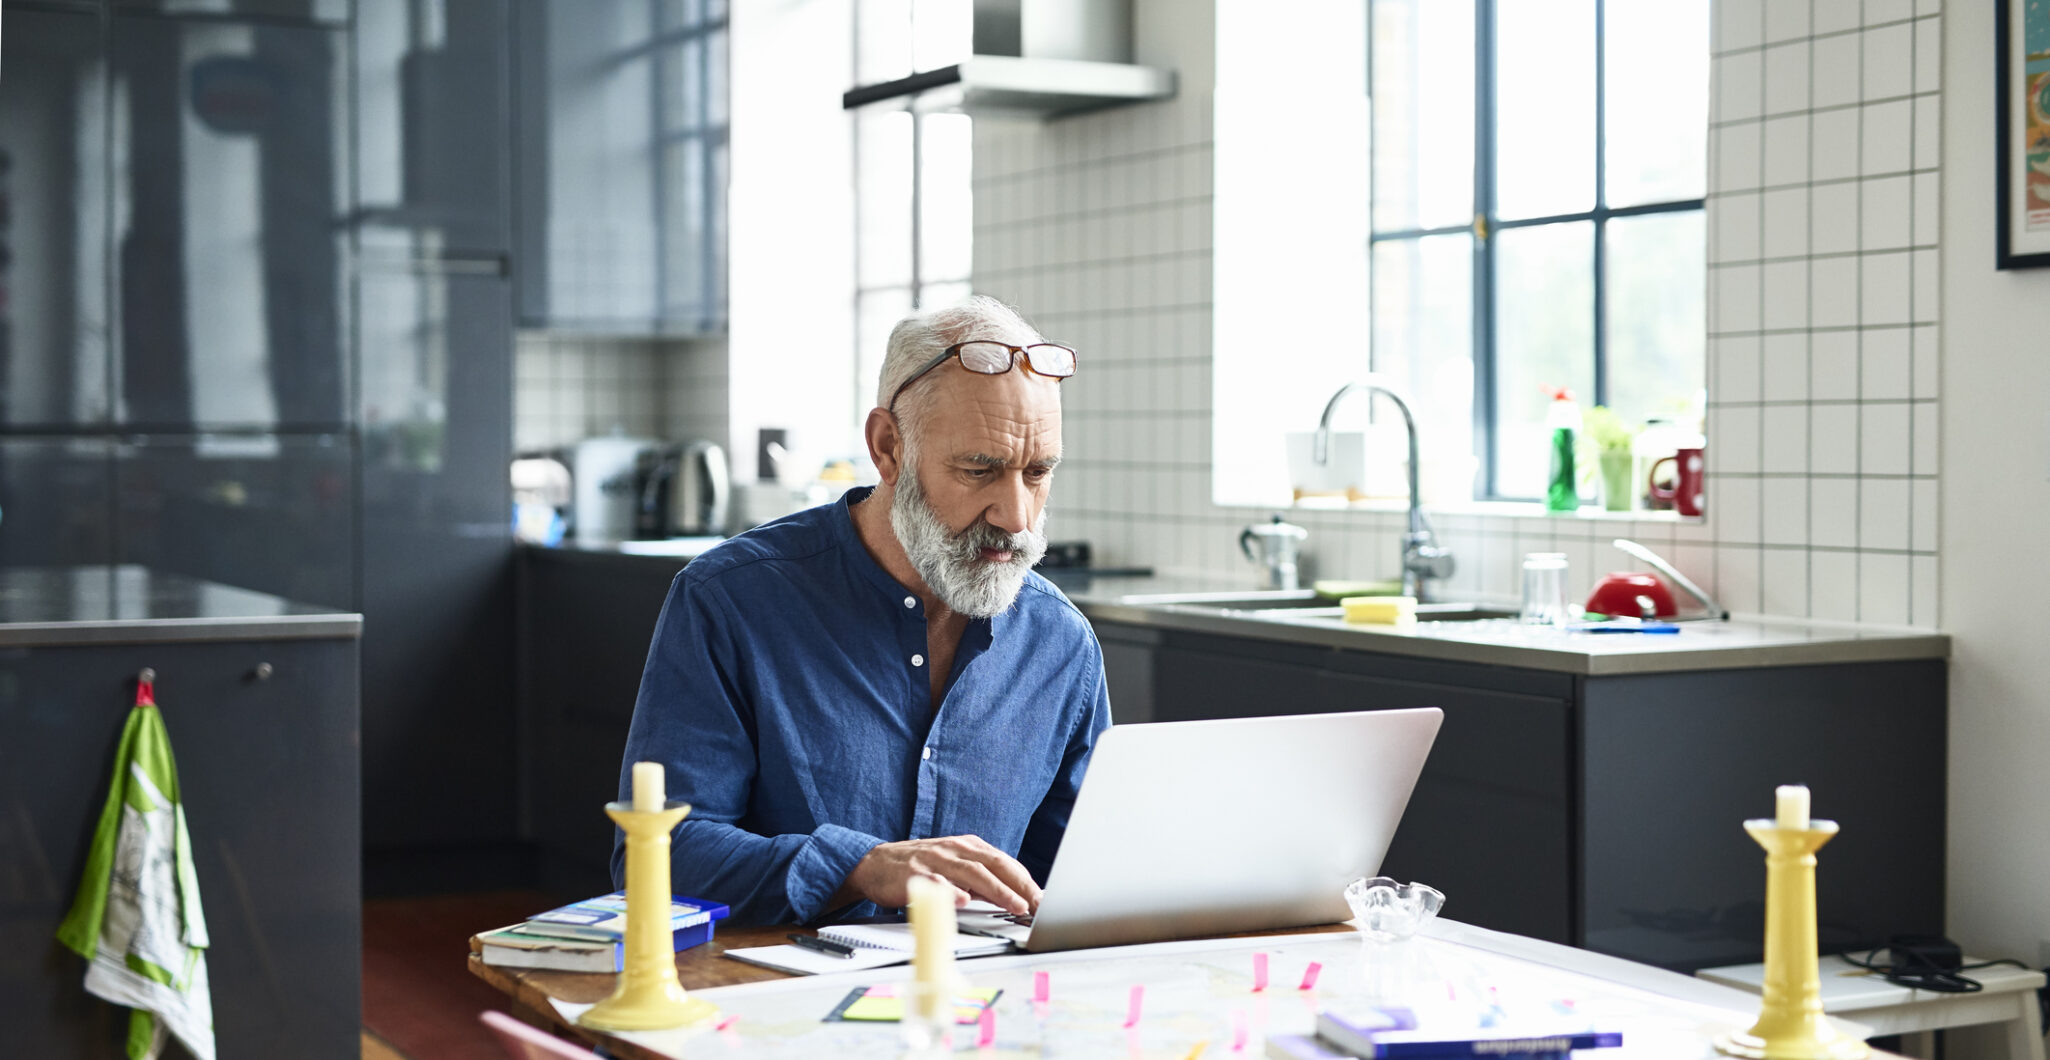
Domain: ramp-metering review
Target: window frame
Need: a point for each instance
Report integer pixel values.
(1485, 226)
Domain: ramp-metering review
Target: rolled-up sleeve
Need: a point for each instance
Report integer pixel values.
(693, 717)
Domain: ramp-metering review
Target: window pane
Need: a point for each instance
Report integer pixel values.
(1657, 331)
(883, 198)
(715, 77)
(947, 215)
(1544, 107)
(1423, 113)
(942, 295)
(875, 313)
(882, 41)
(942, 33)
(686, 249)
(1544, 336)
(1423, 339)
(1656, 99)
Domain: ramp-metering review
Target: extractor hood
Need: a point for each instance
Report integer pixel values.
(1033, 58)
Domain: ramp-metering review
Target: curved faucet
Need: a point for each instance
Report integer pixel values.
(1422, 557)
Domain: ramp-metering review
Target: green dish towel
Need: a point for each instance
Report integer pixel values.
(137, 919)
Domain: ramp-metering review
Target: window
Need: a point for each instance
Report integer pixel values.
(1538, 176)
(913, 211)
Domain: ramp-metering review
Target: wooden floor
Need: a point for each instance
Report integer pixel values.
(419, 1000)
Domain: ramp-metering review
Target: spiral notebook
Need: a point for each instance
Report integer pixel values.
(898, 937)
(875, 946)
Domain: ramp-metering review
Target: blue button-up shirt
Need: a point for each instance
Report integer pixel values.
(787, 696)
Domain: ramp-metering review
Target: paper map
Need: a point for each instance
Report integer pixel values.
(1198, 992)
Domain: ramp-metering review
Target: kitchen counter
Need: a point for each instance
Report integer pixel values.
(129, 604)
(1742, 643)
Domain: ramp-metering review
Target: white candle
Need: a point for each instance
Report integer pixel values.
(932, 933)
(1793, 806)
(648, 793)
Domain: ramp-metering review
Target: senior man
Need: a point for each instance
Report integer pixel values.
(882, 688)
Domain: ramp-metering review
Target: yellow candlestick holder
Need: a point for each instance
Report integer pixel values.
(649, 996)
(1790, 1024)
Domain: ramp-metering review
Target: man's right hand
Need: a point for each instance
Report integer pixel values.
(974, 868)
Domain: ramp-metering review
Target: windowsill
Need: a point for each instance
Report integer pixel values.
(1500, 509)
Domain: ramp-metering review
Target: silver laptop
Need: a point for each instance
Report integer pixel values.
(1184, 829)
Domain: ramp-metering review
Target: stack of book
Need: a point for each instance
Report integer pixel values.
(586, 936)
(1378, 1033)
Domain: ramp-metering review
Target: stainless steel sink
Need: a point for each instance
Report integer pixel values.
(1303, 603)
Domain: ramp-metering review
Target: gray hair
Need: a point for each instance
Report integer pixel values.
(920, 337)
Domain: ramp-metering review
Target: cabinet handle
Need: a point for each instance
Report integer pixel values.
(262, 672)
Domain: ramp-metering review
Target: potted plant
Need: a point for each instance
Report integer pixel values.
(1611, 439)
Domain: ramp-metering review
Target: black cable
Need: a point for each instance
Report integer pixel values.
(1923, 974)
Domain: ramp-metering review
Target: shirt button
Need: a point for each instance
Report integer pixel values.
(918, 660)
(911, 601)
(927, 754)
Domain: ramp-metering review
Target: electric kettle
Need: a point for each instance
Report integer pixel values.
(702, 492)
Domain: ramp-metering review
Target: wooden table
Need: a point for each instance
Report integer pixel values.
(698, 968)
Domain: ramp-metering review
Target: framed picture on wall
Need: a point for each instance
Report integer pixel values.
(2022, 106)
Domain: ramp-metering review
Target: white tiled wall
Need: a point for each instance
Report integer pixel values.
(1822, 353)
(568, 387)
(1823, 330)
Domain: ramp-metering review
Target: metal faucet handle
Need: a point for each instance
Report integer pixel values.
(1430, 561)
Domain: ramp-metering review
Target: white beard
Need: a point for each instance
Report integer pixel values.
(952, 564)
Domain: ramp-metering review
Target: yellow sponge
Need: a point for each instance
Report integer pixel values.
(1379, 610)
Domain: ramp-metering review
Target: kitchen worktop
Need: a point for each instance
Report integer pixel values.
(130, 604)
(1742, 643)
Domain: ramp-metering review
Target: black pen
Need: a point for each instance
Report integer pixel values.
(825, 946)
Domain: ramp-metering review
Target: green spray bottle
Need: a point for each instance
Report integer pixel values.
(1562, 492)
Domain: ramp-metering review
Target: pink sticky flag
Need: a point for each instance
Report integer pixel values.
(1310, 976)
(1259, 972)
(1041, 990)
(725, 1023)
(1132, 1011)
(1238, 1030)
(986, 1034)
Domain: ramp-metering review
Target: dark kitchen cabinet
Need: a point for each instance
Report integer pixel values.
(433, 161)
(267, 771)
(1606, 811)
(585, 620)
(266, 512)
(56, 501)
(622, 162)
(331, 12)
(435, 347)
(1494, 791)
(53, 221)
(228, 259)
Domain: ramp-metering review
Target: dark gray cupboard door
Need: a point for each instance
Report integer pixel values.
(53, 221)
(228, 177)
(433, 165)
(268, 776)
(266, 512)
(56, 501)
(333, 12)
(436, 354)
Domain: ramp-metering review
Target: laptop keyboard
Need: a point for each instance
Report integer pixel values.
(1020, 919)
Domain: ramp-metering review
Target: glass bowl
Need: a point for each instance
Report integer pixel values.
(1389, 911)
